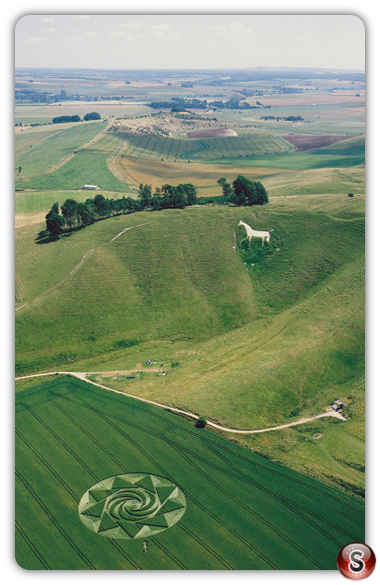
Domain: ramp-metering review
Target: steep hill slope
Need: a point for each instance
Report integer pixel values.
(250, 337)
(256, 337)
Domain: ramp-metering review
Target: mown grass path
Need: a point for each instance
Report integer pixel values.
(83, 376)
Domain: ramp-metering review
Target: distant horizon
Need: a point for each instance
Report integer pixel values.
(195, 68)
(195, 41)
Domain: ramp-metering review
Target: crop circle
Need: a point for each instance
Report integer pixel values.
(132, 505)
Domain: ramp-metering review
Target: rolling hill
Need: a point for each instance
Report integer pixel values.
(251, 341)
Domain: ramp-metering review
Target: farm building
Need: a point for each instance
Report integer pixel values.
(338, 404)
(90, 187)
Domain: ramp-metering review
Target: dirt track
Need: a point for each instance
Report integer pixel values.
(83, 376)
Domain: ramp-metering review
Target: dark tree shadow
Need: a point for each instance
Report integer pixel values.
(44, 237)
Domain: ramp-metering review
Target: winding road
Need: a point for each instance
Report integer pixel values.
(83, 376)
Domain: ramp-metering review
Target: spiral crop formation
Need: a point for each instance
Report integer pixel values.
(133, 505)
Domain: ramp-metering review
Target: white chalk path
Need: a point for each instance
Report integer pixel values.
(79, 265)
(81, 262)
(83, 376)
(130, 228)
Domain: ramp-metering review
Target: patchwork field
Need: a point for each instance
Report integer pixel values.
(207, 149)
(241, 510)
(203, 176)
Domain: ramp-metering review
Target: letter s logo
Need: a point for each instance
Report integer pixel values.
(356, 565)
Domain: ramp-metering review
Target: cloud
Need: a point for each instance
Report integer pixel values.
(116, 32)
(131, 25)
(134, 31)
(37, 39)
(160, 30)
(233, 29)
(51, 30)
(91, 34)
(80, 17)
(47, 19)
(159, 27)
(304, 37)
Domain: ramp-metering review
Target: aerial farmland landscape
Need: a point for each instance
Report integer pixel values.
(189, 316)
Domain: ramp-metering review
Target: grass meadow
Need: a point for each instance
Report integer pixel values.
(40, 150)
(243, 511)
(87, 166)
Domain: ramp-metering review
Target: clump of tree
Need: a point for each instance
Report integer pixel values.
(55, 223)
(193, 103)
(283, 118)
(243, 192)
(167, 196)
(201, 422)
(234, 103)
(91, 116)
(62, 119)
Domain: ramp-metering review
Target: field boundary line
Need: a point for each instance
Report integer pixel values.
(82, 376)
(111, 164)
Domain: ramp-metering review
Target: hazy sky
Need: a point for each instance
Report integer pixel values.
(190, 41)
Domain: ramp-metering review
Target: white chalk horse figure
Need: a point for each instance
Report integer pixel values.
(265, 236)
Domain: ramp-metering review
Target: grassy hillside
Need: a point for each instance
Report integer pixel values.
(242, 511)
(348, 153)
(255, 340)
(174, 276)
(249, 340)
(317, 182)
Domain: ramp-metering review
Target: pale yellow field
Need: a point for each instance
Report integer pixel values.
(203, 176)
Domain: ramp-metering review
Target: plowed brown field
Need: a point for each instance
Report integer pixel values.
(310, 141)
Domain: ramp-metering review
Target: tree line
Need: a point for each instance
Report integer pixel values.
(76, 118)
(73, 215)
(234, 103)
